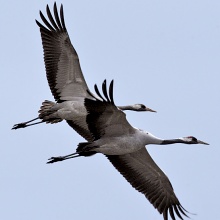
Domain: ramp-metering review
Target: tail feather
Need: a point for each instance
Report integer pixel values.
(84, 149)
(46, 111)
(82, 146)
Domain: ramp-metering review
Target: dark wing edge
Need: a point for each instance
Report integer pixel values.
(50, 39)
(80, 130)
(144, 175)
(85, 133)
(97, 107)
(107, 98)
(61, 59)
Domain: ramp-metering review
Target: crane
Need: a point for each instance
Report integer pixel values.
(64, 76)
(112, 135)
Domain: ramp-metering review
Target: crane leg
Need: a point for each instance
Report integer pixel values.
(61, 158)
(79, 153)
(26, 124)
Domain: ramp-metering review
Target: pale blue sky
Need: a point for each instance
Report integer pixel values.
(165, 54)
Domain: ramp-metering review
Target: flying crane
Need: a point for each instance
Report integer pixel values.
(64, 76)
(124, 146)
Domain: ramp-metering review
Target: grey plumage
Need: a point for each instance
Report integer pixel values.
(96, 118)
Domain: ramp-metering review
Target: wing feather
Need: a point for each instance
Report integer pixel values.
(104, 90)
(104, 118)
(57, 17)
(111, 92)
(81, 130)
(98, 93)
(63, 70)
(144, 175)
(51, 18)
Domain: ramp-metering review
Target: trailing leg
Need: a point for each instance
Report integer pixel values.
(61, 158)
(26, 124)
(46, 114)
(83, 149)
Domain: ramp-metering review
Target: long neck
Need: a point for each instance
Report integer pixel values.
(126, 107)
(172, 141)
(149, 138)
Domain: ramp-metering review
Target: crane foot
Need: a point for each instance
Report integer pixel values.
(55, 159)
(20, 125)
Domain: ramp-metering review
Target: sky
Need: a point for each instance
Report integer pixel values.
(164, 54)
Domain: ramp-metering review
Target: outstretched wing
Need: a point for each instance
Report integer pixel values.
(104, 118)
(63, 69)
(144, 175)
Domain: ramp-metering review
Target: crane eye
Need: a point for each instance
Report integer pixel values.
(192, 138)
(143, 106)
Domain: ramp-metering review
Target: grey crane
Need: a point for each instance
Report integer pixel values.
(64, 76)
(124, 146)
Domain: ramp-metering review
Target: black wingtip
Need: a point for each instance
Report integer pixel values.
(104, 90)
(98, 93)
(56, 23)
(47, 8)
(56, 15)
(62, 17)
(178, 210)
(106, 97)
(37, 22)
(111, 92)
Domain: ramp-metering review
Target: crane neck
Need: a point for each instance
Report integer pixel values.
(151, 139)
(173, 141)
(126, 107)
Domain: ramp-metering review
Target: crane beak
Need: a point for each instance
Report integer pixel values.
(202, 142)
(149, 110)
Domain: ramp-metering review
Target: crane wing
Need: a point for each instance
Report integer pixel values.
(63, 69)
(144, 175)
(81, 129)
(104, 118)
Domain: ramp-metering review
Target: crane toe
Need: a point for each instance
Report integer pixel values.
(20, 125)
(55, 159)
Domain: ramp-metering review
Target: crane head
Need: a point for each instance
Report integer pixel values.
(142, 108)
(193, 140)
